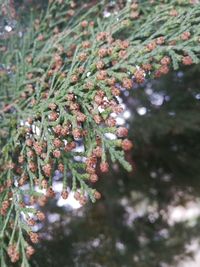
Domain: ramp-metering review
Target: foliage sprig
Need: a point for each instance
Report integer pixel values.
(60, 100)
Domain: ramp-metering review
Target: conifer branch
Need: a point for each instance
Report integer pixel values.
(66, 76)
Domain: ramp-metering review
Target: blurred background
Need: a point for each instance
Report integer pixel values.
(151, 216)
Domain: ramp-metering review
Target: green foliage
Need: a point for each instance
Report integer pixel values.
(132, 225)
(59, 99)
